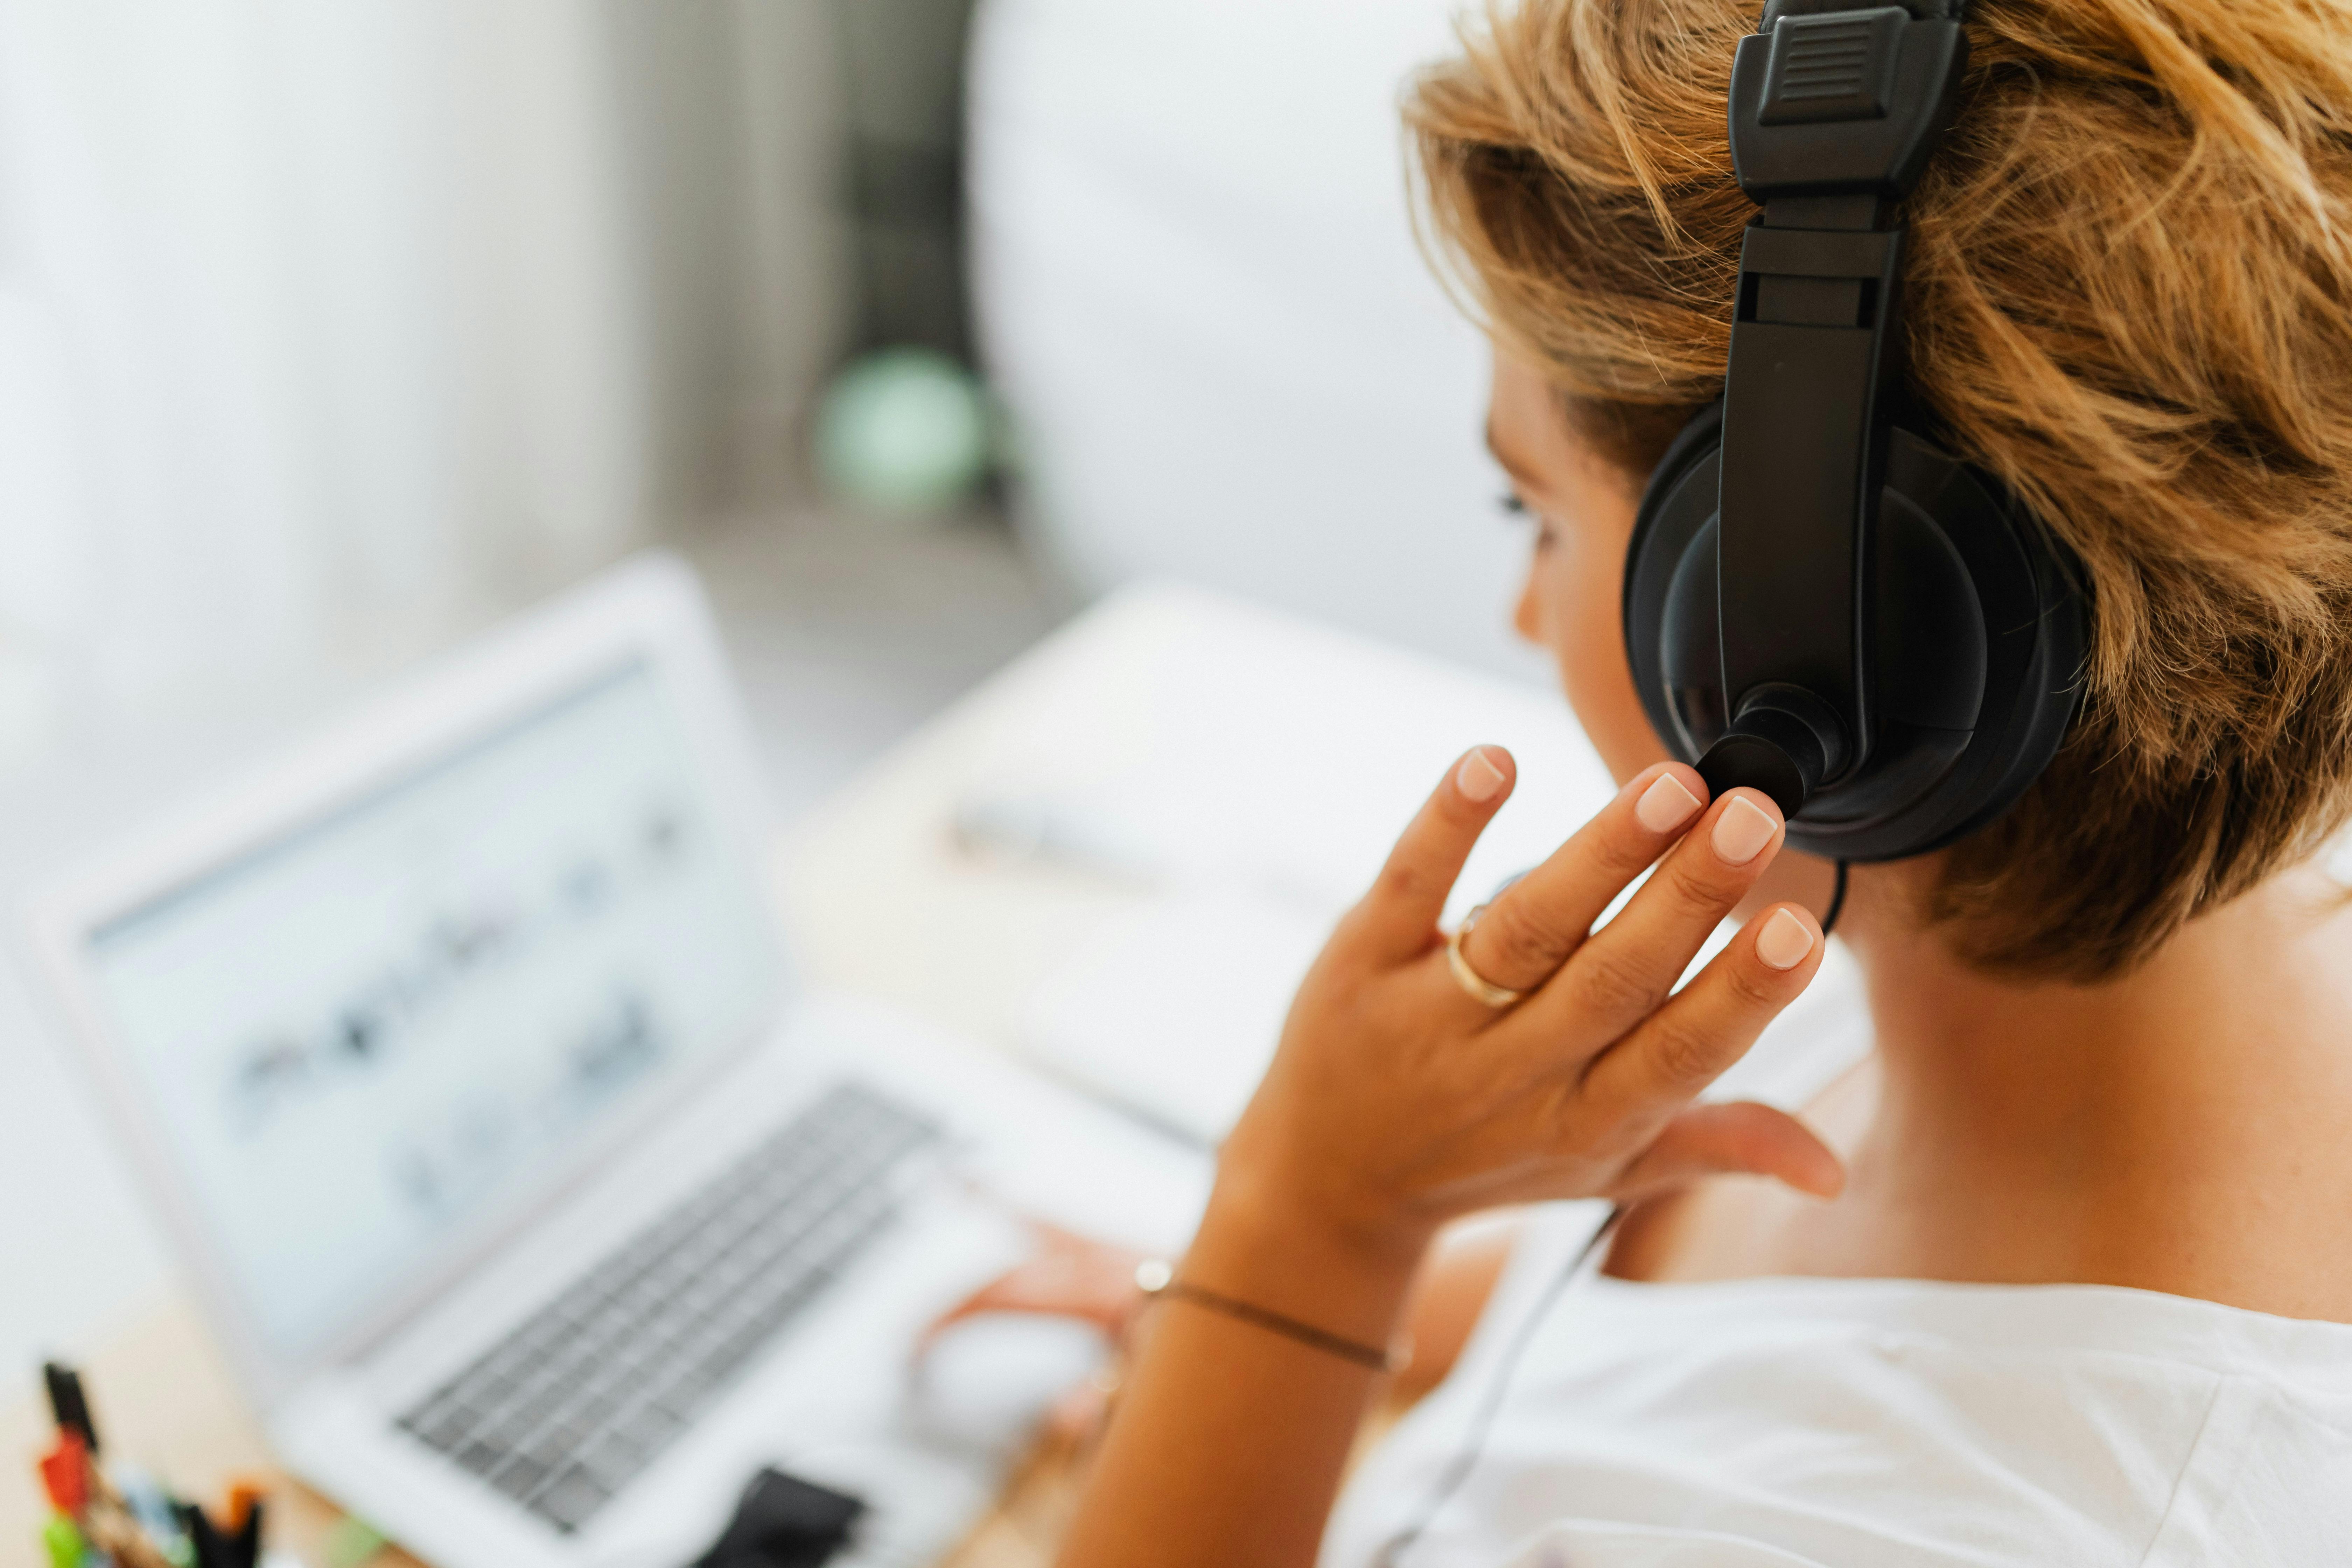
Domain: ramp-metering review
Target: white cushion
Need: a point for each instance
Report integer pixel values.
(1198, 289)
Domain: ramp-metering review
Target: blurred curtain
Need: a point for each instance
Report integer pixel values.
(326, 328)
(313, 322)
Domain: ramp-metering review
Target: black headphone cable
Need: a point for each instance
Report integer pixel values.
(1474, 1445)
(1490, 1407)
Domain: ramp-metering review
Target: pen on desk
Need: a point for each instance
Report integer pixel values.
(147, 1502)
(116, 1534)
(233, 1543)
(241, 1535)
(211, 1551)
(64, 1540)
(65, 1477)
(68, 1403)
(245, 1496)
(93, 1519)
(203, 1541)
(244, 1545)
(65, 1474)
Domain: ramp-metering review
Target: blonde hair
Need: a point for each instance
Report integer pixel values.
(2129, 295)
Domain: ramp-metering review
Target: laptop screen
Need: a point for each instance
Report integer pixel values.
(368, 1038)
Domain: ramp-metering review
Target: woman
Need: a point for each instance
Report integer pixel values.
(2057, 1271)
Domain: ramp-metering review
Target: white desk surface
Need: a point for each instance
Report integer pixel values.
(1237, 736)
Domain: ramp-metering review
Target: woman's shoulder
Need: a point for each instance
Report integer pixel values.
(1902, 1422)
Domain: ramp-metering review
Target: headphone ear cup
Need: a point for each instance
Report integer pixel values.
(1978, 632)
(1690, 647)
(1965, 580)
(1672, 638)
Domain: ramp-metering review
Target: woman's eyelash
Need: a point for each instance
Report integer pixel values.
(1511, 504)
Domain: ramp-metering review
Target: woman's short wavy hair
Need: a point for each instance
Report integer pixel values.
(2129, 297)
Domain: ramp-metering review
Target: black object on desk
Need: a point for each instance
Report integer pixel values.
(783, 1522)
(68, 1404)
(217, 1547)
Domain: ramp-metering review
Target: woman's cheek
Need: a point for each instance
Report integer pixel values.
(1583, 617)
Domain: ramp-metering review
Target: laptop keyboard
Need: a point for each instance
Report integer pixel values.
(586, 1393)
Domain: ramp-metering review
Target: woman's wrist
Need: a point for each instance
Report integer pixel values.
(1266, 1244)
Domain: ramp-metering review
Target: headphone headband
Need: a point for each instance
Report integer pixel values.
(1835, 107)
(1842, 97)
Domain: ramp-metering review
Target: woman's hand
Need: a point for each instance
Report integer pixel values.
(1398, 1100)
(1065, 1276)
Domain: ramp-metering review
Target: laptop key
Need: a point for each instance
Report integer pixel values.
(479, 1458)
(613, 1459)
(568, 1500)
(520, 1475)
(650, 1428)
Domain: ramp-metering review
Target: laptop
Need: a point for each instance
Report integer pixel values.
(536, 1204)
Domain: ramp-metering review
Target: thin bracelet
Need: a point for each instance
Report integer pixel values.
(1157, 1281)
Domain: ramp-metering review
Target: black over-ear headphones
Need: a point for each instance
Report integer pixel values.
(1819, 602)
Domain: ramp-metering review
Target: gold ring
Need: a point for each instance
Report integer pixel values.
(1477, 986)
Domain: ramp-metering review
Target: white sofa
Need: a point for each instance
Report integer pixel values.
(1198, 292)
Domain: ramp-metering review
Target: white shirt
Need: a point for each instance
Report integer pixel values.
(1866, 1423)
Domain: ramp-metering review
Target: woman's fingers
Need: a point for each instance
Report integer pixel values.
(1396, 920)
(1625, 972)
(1738, 1139)
(1688, 1044)
(1530, 931)
(1069, 1276)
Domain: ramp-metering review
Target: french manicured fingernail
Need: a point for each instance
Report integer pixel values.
(1664, 805)
(1784, 940)
(1742, 831)
(1477, 778)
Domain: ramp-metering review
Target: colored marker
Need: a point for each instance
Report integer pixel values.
(68, 1403)
(64, 1540)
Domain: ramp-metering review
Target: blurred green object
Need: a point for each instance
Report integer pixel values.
(64, 1541)
(352, 1542)
(903, 431)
